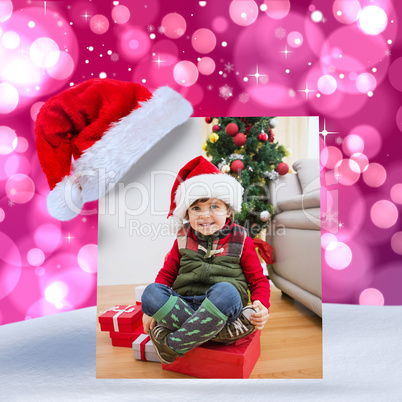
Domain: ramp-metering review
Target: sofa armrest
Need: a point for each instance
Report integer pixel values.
(287, 186)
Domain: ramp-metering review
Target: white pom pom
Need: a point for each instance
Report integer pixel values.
(264, 216)
(65, 201)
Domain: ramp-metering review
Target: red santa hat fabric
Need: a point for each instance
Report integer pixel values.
(199, 179)
(89, 136)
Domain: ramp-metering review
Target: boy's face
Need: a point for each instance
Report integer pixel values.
(208, 217)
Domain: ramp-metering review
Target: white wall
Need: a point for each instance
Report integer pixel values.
(129, 251)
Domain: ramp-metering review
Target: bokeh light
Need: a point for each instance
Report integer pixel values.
(375, 175)
(120, 14)
(338, 255)
(88, 257)
(220, 24)
(185, 73)
(133, 44)
(11, 265)
(371, 297)
(35, 257)
(44, 52)
(206, 66)
(330, 157)
(35, 109)
(327, 84)
(295, 39)
(48, 236)
(352, 144)
(348, 172)
(277, 9)
(6, 10)
(366, 82)
(371, 138)
(203, 40)
(99, 24)
(346, 11)
(384, 214)
(327, 239)
(243, 12)
(396, 193)
(394, 74)
(396, 243)
(20, 188)
(373, 20)
(10, 40)
(9, 98)
(56, 293)
(7, 140)
(174, 25)
(361, 160)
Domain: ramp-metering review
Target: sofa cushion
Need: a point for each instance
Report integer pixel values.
(308, 172)
(300, 219)
(309, 200)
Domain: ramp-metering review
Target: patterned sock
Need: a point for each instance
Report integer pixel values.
(205, 323)
(173, 313)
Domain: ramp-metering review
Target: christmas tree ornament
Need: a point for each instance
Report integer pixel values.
(237, 166)
(214, 137)
(264, 216)
(216, 128)
(208, 120)
(232, 129)
(225, 169)
(89, 136)
(204, 147)
(282, 168)
(271, 137)
(263, 136)
(240, 139)
(273, 123)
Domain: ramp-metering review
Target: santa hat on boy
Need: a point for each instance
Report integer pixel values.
(199, 179)
(105, 125)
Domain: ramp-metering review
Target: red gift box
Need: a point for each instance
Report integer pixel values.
(126, 339)
(220, 361)
(121, 318)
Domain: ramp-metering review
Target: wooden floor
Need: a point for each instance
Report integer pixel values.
(291, 342)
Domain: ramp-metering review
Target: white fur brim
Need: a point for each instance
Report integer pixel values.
(220, 185)
(102, 165)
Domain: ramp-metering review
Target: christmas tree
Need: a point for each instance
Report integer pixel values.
(245, 148)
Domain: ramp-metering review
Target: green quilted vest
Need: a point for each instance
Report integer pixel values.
(207, 260)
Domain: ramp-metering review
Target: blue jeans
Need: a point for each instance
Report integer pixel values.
(223, 295)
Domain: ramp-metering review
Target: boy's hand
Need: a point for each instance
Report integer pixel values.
(148, 323)
(259, 319)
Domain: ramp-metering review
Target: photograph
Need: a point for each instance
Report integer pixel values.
(200, 200)
(223, 228)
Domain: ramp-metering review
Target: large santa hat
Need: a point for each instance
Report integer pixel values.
(199, 179)
(105, 125)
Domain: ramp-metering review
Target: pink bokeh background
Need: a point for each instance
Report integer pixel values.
(339, 59)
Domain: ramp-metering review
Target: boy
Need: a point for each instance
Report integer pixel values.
(200, 292)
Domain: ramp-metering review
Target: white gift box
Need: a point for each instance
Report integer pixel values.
(144, 349)
(139, 290)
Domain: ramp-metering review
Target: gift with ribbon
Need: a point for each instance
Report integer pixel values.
(126, 339)
(121, 318)
(144, 349)
(212, 360)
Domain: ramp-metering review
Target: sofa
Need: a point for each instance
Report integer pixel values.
(294, 232)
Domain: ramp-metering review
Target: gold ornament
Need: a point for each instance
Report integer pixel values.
(214, 137)
(225, 169)
(204, 146)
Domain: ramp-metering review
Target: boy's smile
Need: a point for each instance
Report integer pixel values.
(208, 217)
